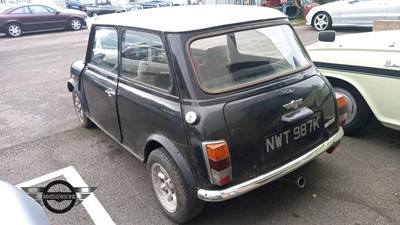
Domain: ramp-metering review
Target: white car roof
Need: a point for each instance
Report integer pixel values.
(189, 18)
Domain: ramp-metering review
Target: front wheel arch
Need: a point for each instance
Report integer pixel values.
(81, 110)
(13, 23)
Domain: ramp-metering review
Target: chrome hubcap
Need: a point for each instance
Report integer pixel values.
(14, 30)
(164, 187)
(321, 22)
(76, 24)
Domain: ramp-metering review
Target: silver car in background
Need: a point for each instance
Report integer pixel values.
(352, 13)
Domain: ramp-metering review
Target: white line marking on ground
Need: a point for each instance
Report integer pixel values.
(41, 179)
(92, 205)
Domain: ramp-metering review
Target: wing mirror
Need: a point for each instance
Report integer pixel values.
(327, 36)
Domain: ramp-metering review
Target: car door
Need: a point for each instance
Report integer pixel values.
(363, 12)
(99, 80)
(44, 19)
(145, 103)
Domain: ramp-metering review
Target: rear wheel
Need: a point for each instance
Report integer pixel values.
(172, 192)
(322, 21)
(14, 30)
(75, 24)
(358, 112)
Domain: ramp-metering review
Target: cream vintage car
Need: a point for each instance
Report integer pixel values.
(365, 67)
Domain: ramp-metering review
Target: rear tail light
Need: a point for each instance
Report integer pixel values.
(342, 105)
(218, 162)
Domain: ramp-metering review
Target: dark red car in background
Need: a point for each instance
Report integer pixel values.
(20, 19)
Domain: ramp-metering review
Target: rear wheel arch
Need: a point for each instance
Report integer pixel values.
(171, 188)
(158, 141)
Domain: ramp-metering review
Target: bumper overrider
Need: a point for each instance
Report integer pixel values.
(242, 188)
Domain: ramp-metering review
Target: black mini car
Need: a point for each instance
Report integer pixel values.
(216, 107)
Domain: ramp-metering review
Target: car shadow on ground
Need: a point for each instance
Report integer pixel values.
(377, 133)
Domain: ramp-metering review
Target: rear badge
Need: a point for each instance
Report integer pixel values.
(294, 104)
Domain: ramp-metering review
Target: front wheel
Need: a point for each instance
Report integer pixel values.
(83, 119)
(14, 30)
(322, 21)
(358, 112)
(75, 24)
(172, 192)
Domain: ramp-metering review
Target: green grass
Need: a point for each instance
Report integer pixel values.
(297, 21)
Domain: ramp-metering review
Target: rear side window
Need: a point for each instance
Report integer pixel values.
(37, 9)
(105, 49)
(237, 59)
(22, 10)
(144, 60)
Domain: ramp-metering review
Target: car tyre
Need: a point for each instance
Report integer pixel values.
(14, 30)
(75, 24)
(358, 112)
(94, 14)
(172, 192)
(322, 21)
(80, 113)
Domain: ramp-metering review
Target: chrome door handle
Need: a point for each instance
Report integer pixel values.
(110, 92)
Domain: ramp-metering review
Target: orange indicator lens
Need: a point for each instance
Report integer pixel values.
(217, 151)
(341, 100)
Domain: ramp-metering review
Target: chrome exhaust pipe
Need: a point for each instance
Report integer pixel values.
(300, 181)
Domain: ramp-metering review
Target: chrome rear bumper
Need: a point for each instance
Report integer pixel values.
(242, 188)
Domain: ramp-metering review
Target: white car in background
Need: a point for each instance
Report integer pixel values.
(352, 13)
(365, 68)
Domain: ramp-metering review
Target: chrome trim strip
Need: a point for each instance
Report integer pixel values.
(242, 188)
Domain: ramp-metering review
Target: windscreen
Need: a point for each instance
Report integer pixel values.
(236, 59)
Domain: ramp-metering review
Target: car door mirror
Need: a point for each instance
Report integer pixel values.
(327, 36)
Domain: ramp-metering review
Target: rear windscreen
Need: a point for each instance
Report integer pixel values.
(235, 59)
